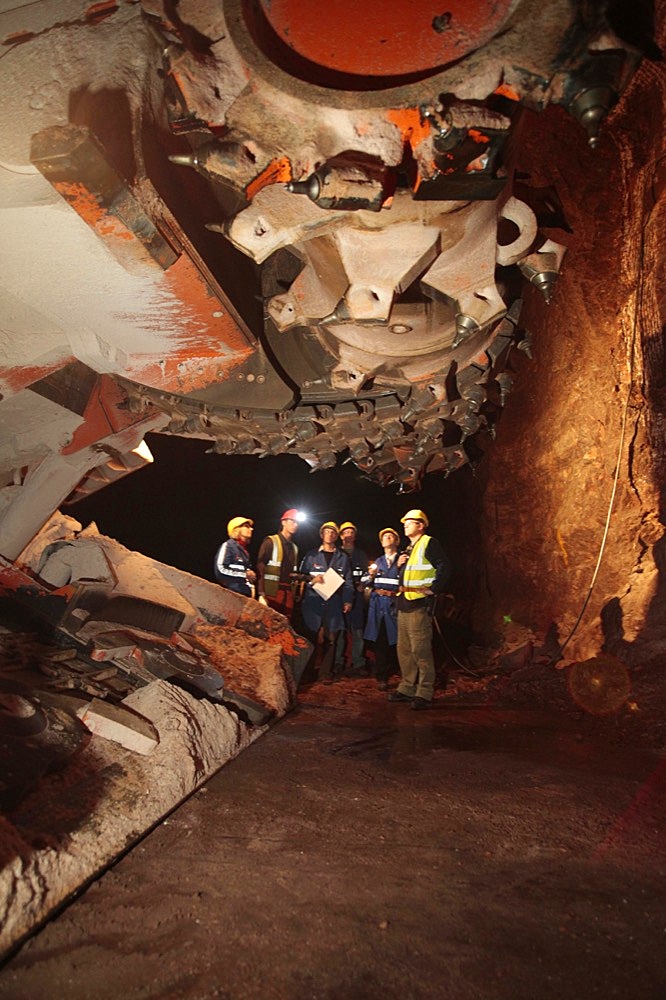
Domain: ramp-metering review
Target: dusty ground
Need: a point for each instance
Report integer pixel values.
(360, 850)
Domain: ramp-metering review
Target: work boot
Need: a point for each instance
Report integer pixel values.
(398, 696)
(419, 704)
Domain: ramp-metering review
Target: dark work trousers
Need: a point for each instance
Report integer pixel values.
(386, 657)
(328, 641)
(325, 641)
(357, 658)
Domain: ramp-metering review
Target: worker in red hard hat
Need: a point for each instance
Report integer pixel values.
(232, 562)
(276, 562)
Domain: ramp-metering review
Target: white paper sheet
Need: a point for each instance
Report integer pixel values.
(332, 582)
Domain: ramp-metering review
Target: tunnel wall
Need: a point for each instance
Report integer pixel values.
(598, 350)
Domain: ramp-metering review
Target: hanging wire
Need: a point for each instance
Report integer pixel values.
(450, 653)
(637, 302)
(447, 648)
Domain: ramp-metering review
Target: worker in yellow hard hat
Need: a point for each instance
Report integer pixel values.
(276, 562)
(327, 595)
(349, 653)
(232, 562)
(423, 572)
(415, 515)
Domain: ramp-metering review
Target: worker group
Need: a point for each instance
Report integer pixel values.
(340, 601)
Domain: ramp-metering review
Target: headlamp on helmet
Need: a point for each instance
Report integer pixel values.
(294, 515)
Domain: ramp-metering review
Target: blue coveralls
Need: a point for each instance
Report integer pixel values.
(382, 626)
(318, 613)
(231, 565)
(354, 619)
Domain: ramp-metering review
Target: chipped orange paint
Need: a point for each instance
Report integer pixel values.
(202, 340)
(477, 136)
(192, 290)
(200, 347)
(184, 376)
(478, 165)
(17, 378)
(277, 172)
(14, 578)
(412, 129)
(113, 228)
(18, 578)
(103, 415)
(95, 215)
(82, 201)
(68, 591)
(504, 90)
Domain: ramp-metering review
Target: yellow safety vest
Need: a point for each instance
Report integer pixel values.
(418, 571)
(274, 565)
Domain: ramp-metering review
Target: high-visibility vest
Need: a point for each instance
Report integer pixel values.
(418, 571)
(274, 565)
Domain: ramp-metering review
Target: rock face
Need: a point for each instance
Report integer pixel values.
(592, 400)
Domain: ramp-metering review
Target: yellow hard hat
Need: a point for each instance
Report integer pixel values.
(415, 515)
(238, 522)
(347, 524)
(329, 524)
(383, 532)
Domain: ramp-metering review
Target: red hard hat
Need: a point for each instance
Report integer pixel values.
(292, 514)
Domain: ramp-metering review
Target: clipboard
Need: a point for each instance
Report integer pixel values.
(332, 583)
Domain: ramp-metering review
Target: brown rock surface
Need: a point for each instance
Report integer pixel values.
(593, 395)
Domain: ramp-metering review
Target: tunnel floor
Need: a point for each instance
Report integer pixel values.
(362, 850)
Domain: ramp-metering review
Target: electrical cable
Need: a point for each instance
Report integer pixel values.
(447, 648)
(455, 659)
